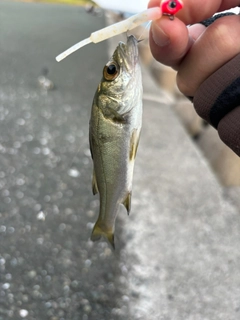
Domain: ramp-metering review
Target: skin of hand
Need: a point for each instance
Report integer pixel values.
(195, 51)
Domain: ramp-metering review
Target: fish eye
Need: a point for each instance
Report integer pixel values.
(111, 71)
(172, 4)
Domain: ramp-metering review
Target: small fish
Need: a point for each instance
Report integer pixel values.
(115, 127)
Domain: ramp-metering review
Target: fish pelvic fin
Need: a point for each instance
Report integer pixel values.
(127, 202)
(99, 232)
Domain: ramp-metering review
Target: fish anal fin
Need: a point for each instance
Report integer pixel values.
(94, 183)
(99, 232)
(127, 202)
(134, 144)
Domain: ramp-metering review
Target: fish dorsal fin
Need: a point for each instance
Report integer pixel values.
(94, 180)
(127, 202)
(94, 184)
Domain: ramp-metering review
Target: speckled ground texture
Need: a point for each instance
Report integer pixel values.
(49, 269)
(177, 256)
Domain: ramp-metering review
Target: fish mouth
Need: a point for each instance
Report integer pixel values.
(128, 53)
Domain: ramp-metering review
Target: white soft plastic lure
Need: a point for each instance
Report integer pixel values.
(166, 7)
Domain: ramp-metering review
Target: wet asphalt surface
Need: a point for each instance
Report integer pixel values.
(49, 269)
(177, 254)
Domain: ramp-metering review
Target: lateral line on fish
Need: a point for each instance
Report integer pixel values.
(166, 7)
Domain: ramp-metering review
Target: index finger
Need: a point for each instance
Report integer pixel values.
(198, 10)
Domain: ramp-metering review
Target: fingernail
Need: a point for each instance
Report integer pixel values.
(159, 36)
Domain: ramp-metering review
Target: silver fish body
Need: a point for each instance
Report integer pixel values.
(115, 126)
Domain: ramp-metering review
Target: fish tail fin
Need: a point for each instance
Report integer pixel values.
(99, 232)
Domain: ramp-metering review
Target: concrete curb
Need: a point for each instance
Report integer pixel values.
(184, 250)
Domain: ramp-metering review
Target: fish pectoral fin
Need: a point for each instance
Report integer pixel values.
(94, 184)
(98, 232)
(127, 202)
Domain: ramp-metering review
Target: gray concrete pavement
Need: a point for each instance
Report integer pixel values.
(177, 255)
(184, 236)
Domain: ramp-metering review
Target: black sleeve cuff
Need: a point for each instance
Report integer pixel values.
(209, 21)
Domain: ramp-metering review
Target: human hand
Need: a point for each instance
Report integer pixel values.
(203, 57)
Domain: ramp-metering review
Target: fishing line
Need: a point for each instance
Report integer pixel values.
(145, 28)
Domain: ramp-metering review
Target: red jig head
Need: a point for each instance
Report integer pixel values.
(171, 7)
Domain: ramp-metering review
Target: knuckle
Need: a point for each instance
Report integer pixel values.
(184, 85)
(225, 32)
